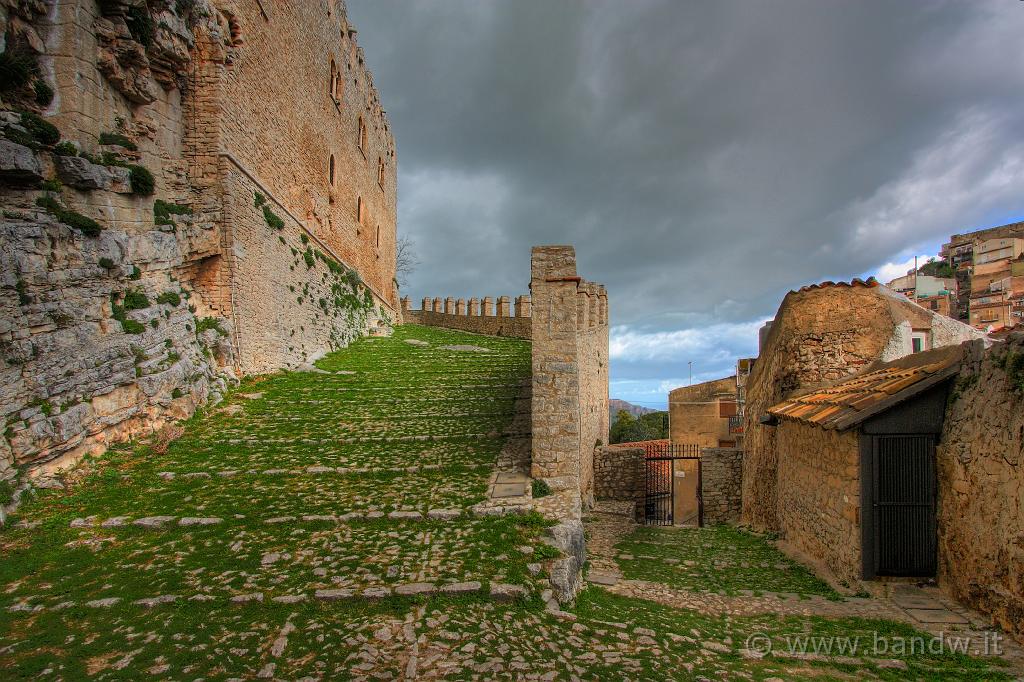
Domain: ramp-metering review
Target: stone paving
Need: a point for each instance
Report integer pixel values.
(711, 571)
(340, 524)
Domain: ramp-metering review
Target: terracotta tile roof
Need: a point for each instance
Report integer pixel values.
(853, 400)
(869, 283)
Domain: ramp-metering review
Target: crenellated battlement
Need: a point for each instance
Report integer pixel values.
(500, 316)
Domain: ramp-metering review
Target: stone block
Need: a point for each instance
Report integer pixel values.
(18, 164)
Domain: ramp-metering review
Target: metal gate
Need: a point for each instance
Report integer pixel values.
(661, 488)
(904, 495)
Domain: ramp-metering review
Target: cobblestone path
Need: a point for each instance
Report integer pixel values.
(332, 525)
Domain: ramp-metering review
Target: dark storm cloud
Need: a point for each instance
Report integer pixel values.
(703, 157)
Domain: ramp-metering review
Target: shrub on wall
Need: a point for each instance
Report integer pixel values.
(142, 181)
(39, 128)
(136, 299)
(43, 92)
(273, 220)
(66, 149)
(119, 140)
(85, 224)
(18, 65)
(163, 210)
(169, 298)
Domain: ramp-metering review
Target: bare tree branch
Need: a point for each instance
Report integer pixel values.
(405, 260)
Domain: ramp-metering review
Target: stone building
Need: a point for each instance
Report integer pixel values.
(222, 202)
(700, 414)
(913, 468)
(820, 335)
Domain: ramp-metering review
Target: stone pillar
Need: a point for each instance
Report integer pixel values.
(437, 305)
(603, 295)
(406, 306)
(504, 307)
(428, 304)
(474, 307)
(487, 310)
(522, 306)
(460, 307)
(449, 306)
(555, 403)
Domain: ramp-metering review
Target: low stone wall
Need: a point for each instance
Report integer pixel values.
(474, 316)
(981, 485)
(619, 475)
(721, 482)
(819, 496)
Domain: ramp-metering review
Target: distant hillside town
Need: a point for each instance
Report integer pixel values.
(978, 278)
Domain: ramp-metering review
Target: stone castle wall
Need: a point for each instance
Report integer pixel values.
(980, 462)
(721, 478)
(299, 302)
(570, 371)
(228, 98)
(475, 315)
(819, 496)
(282, 121)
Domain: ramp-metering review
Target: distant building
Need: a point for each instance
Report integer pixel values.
(989, 267)
(935, 293)
(700, 414)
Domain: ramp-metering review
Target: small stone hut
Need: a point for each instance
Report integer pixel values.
(857, 483)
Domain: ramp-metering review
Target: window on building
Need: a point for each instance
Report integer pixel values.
(726, 408)
(380, 171)
(359, 210)
(330, 171)
(362, 135)
(333, 89)
(378, 236)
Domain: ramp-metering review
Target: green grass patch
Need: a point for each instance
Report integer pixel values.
(720, 559)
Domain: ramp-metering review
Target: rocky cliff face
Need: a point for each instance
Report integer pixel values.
(101, 336)
(143, 266)
(98, 338)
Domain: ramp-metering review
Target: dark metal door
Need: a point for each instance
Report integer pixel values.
(904, 506)
(659, 501)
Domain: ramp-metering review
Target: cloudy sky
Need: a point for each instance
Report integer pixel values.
(703, 157)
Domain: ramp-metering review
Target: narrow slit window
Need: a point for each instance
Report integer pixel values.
(362, 134)
(378, 236)
(330, 170)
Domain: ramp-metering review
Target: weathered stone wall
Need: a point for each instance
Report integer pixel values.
(819, 496)
(721, 478)
(619, 474)
(570, 371)
(299, 302)
(471, 316)
(228, 98)
(981, 484)
(822, 334)
(73, 377)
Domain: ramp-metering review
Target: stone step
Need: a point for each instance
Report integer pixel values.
(499, 592)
